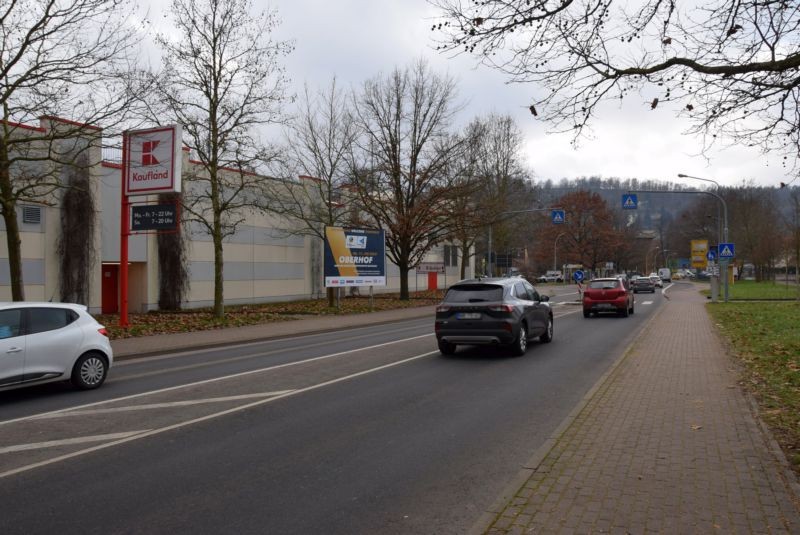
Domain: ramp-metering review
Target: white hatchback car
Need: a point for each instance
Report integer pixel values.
(44, 342)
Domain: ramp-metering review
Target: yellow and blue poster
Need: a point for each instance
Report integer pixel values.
(354, 257)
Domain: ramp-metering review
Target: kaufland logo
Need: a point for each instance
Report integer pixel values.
(153, 161)
(148, 148)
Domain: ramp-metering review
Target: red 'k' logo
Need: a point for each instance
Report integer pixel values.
(147, 152)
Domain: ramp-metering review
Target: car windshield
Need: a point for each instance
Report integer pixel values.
(604, 285)
(474, 293)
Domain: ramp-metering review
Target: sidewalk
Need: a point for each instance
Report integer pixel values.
(666, 442)
(141, 346)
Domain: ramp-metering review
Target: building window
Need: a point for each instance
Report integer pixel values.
(451, 256)
(31, 215)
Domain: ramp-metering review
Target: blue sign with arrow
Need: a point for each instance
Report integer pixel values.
(711, 255)
(578, 276)
(726, 251)
(630, 201)
(558, 216)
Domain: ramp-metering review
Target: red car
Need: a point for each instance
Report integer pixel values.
(611, 294)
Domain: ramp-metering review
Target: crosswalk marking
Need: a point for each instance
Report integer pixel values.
(69, 441)
(151, 406)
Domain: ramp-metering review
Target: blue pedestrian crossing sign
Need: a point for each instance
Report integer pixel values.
(630, 201)
(558, 216)
(726, 251)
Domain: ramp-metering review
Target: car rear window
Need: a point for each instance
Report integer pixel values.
(49, 319)
(474, 293)
(604, 285)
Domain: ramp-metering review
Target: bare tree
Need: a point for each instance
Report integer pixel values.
(729, 67)
(222, 81)
(67, 58)
(400, 174)
(319, 142)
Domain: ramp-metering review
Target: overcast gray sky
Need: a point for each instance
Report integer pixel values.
(358, 39)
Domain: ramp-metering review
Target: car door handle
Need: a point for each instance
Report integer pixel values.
(14, 350)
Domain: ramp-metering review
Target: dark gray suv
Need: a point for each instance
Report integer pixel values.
(507, 312)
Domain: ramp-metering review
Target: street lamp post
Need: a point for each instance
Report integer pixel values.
(555, 249)
(724, 263)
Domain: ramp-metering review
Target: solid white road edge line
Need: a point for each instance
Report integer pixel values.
(153, 432)
(215, 379)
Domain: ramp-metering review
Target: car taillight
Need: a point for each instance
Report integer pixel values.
(501, 308)
(103, 331)
(442, 308)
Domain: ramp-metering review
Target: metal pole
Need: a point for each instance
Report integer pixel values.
(489, 271)
(555, 249)
(124, 230)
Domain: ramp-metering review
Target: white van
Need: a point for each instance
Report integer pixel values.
(665, 274)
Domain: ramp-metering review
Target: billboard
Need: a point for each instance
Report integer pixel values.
(354, 257)
(153, 160)
(699, 252)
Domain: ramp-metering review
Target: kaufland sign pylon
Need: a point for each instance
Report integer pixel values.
(151, 164)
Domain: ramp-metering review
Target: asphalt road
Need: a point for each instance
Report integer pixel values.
(362, 431)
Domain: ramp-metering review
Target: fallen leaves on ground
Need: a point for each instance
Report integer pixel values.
(160, 322)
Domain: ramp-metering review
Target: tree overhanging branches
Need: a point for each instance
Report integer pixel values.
(731, 68)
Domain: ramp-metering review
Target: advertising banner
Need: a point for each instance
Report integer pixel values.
(153, 161)
(699, 252)
(354, 257)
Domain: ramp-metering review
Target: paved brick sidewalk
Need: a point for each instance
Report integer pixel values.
(666, 444)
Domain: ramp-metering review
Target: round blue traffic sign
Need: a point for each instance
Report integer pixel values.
(578, 276)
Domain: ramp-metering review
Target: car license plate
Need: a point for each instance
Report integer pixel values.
(468, 315)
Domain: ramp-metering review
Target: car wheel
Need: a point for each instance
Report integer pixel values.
(520, 345)
(625, 312)
(446, 348)
(586, 314)
(547, 335)
(90, 371)
(633, 303)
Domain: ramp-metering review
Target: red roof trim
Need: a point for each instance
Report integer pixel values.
(26, 126)
(111, 164)
(68, 121)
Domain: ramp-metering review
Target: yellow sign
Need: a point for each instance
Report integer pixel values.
(699, 252)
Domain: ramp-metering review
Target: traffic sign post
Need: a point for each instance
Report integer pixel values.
(726, 251)
(558, 216)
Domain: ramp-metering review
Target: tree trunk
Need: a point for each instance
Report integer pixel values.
(219, 303)
(12, 231)
(404, 296)
(464, 260)
(331, 297)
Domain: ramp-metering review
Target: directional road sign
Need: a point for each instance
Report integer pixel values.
(578, 276)
(726, 251)
(711, 255)
(558, 216)
(630, 201)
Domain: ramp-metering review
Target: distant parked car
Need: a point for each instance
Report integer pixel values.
(551, 276)
(656, 280)
(505, 312)
(643, 284)
(45, 342)
(610, 294)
